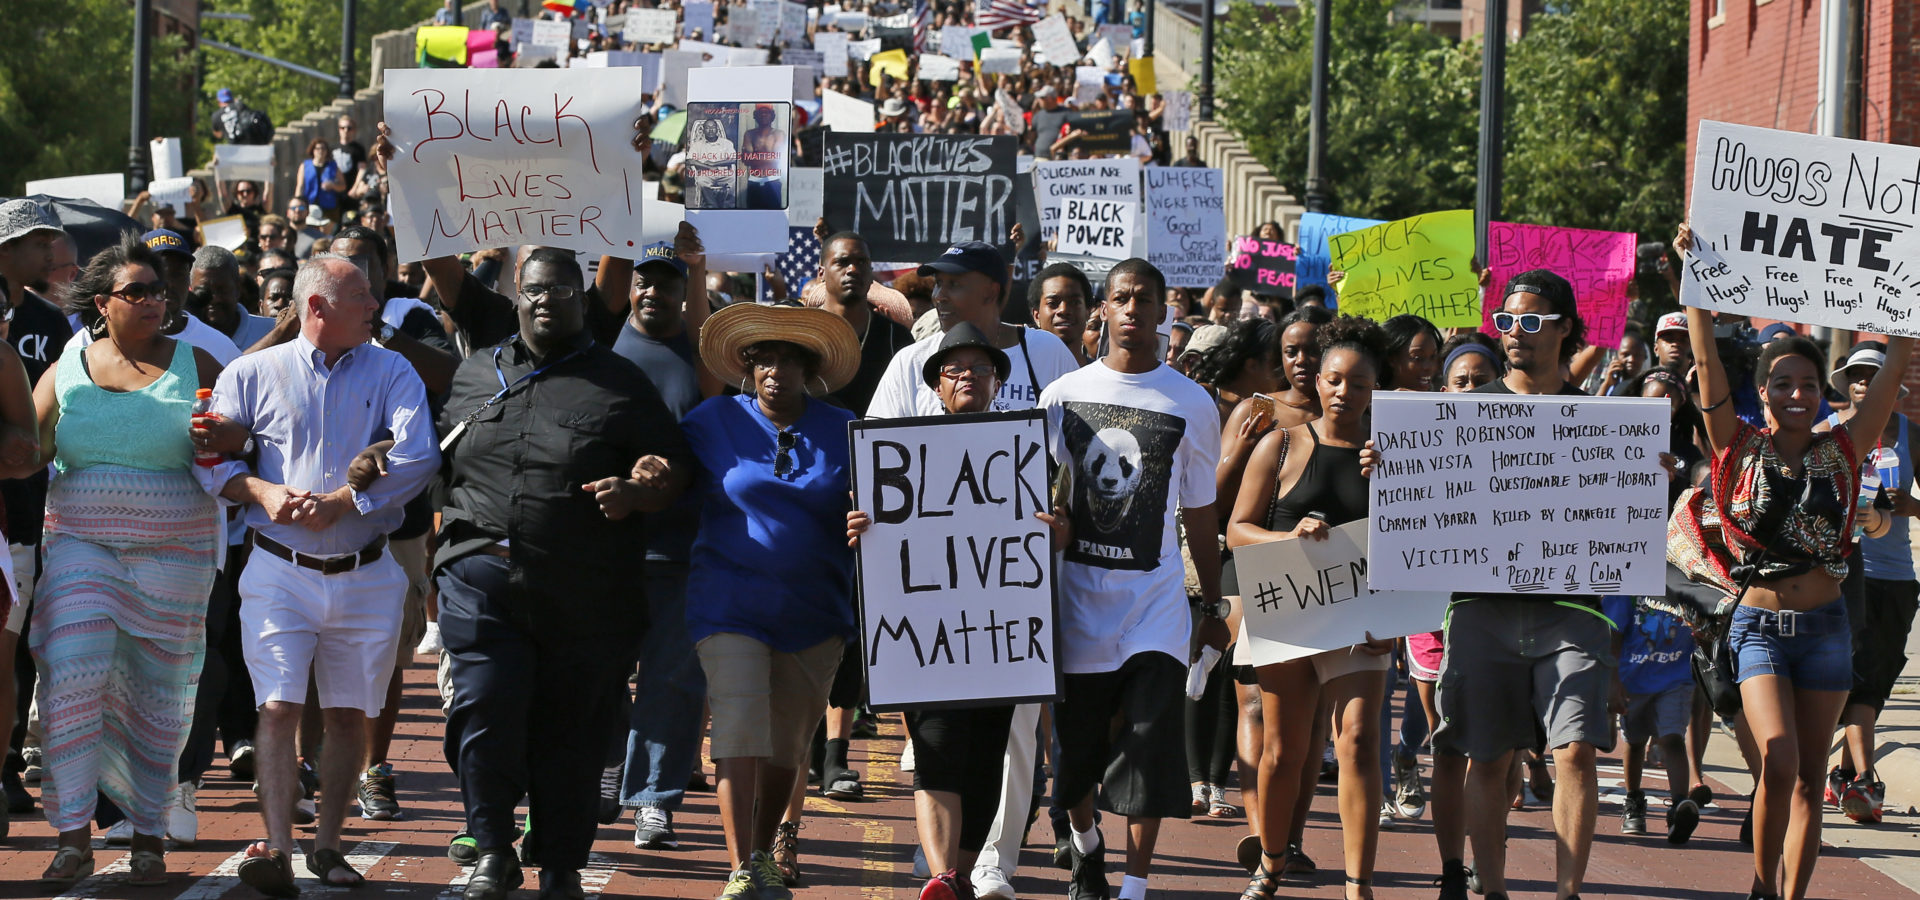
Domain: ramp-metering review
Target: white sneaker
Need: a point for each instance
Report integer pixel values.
(36, 760)
(183, 820)
(430, 642)
(120, 834)
(990, 882)
(906, 765)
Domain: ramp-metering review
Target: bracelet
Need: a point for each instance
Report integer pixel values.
(1723, 402)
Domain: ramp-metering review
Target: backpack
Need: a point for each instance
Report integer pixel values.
(254, 127)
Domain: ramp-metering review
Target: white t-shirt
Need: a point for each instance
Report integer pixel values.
(1132, 466)
(902, 391)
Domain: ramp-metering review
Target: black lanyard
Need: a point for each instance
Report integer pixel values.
(505, 388)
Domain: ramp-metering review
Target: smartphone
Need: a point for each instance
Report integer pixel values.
(1262, 404)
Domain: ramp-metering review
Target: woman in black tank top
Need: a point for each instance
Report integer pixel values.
(1300, 483)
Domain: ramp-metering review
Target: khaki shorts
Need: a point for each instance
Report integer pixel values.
(411, 554)
(765, 703)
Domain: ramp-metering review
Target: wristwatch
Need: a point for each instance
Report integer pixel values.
(247, 448)
(385, 334)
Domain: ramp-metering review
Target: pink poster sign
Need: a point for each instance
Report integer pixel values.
(1598, 263)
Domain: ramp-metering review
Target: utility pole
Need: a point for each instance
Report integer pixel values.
(1493, 116)
(347, 9)
(1317, 116)
(137, 149)
(1151, 9)
(1206, 60)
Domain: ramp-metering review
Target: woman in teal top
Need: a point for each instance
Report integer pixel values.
(119, 618)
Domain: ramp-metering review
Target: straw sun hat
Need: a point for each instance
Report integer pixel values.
(728, 333)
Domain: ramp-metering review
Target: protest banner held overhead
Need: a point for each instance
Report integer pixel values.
(1263, 267)
(1304, 597)
(1316, 229)
(499, 157)
(914, 195)
(1518, 494)
(650, 26)
(1808, 229)
(1420, 265)
(956, 575)
(1098, 227)
(1599, 265)
(1186, 224)
(1097, 179)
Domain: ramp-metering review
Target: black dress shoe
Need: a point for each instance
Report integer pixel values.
(561, 884)
(494, 876)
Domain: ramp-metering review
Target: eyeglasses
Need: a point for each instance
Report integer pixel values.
(1530, 323)
(783, 460)
(246, 192)
(981, 371)
(141, 293)
(554, 292)
(273, 235)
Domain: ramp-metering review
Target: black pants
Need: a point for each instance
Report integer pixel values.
(533, 711)
(963, 751)
(1210, 723)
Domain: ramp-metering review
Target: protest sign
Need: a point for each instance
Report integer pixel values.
(167, 161)
(1804, 228)
(483, 59)
(1011, 113)
(1146, 81)
(914, 195)
(999, 61)
(851, 22)
(811, 60)
(1055, 40)
(1097, 227)
(956, 596)
(1099, 53)
(1089, 83)
(833, 53)
(1186, 224)
(1118, 36)
(174, 192)
(1599, 265)
(650, 26)
(1420, 265)
(1516, 494)
(793, 24)
(957, 40)
(1315, 230)
(768, 16)
(845, 113)
(742, 57)
(552, 33)
(1304, 597)
(1106, 132)
(1179, 110)
(743, 25)
(532, 55)
(522, 33)
(696, 17)
(863, 50)
(803, 196)
(441, 45)
(107, 189)
(1263, 267)
(674, 65)
(757, 221)
(711, 54)
(227, 231)
(498, 157)
(1055, 180)
(892, 63)
(934, 67)
(737, 155)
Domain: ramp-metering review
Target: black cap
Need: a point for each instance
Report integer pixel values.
(970, 256)
(960, 337)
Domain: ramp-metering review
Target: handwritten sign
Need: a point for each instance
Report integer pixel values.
(793, 23)
(803, 196)
(1089, 84)
(1803, 228)
(1055, 180)
(1309, 596)
(956, 595)
(1419, 265)
(1263, 267)
(843, 112)
(957, 40)
(1179, 111)
(552, 33)
(934, 67)
(1599, 265)
(1055, 40)
(174, 192)
(1097, 227)
(914, 195)
(833, 52)
(521, 34)
(1000, 61)
(650, 26)
(499, 157)
(1186, 224)
(1316, 229)
(696, 18)
(1519, 494)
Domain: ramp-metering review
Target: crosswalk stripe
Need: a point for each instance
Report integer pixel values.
(222, 879)
(101, 879)
(226, 876)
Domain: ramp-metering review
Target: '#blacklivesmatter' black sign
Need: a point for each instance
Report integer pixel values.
(913, 195)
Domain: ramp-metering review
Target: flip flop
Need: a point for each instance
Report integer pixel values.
(271, 874)
(323, 862)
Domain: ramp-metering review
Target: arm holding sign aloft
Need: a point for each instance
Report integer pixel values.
(1716, 391)
(444, 273)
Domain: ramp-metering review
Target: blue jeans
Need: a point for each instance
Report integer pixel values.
(1413, 726)
(1812, 649)
(663, 743)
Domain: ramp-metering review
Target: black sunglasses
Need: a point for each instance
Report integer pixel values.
(783, 460)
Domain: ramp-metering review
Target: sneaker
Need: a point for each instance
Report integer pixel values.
(740, 886)
(1089, 881)
(906, 758)
(1836, 786)
(463, 849)
(1633, 820)
(430, 642)
(768, 882)
(948, 885)
(1862, 800)
(120, 834)
(1386, 815)
(377, 801)
(36, 765)
(240, 761)
(989, 883)
(653, 829)
(183, 819)
(1409, 795)
(1681, 820)
(1701, 795)
(1453, 880)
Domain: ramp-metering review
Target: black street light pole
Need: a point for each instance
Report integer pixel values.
(1493, 116)
(137, 150)
(346, 48)
(1206, 60)
(1148, 46)
(1317, 115)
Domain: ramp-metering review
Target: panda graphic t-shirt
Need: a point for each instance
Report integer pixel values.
(1135, 449)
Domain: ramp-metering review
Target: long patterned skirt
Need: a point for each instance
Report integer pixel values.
(119, 631)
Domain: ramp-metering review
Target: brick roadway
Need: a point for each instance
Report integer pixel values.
(865, 849)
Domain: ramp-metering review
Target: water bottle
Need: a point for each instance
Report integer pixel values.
(202, 406)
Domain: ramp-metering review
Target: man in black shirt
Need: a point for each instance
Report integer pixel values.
(537, 606)
(846, 271)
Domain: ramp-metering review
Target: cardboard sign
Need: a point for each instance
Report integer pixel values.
(696, 17)
(1316, 229)
(1146, 81)
(1311, 596)
(1097, 227)
(760, 224)
(915, 195)
(553, 33)
(1599, 265)
(1420, 265)
(1518, 494)
(1179, 111)
(174, 192)
(1263, 267)
(1186, 224)
(892, 63)
(500, 157)
(1056, 40)
(844, 113)
(833, 53)
(1104, 179)
(650, 26)
(107, 189)
(1000, 61)
(957, 597)
(1804, 228)
(934, 67)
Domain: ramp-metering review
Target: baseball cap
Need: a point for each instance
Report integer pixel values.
(661, 253)
(19, 218)
(1204, 339)
(969, 256)
(224, 95)
(1774, 332)
(160, 240)
(1673, 321)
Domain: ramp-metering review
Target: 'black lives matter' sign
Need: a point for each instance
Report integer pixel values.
(914, 195)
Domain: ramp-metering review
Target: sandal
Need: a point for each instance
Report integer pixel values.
(1218, 807)
(148, 869)
(80, 860)
(786, 852)
(1367, 884)
(271, 874)
(1297, 862)
(1265, 882)
(326, 861)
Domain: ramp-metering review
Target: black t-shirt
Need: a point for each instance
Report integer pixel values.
(883, 338)
(39, 333)
(422, 326)
(669, 365)
(1567, 389)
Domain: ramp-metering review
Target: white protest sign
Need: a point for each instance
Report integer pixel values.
(1000, 61)
(674, 64)
(957, 40)
(499, 157)
(1055, 40)
(1186, 224)
(234, 161)
(956, 596)
(552, 33)
(522, 33)
(934, 67)
(1805, 228)
(851, 22)
(1011, 113)
(106, 189)
(803, 195)
(1098, 227)
(1099, 53)
(743, 25)
(1119, 40)
(696, 17)
(174, 192)
(1179, 109)
(832, 46)
(768, 15)
(747, 56)
(793, 23)
(227, 231)
(863, 50)
(1517, 494)
(1304, 597)
(807, 59)
(1089, 83)
(744, 230)
(1099, 179)
(650, 26)
(897, 20)
(844, 113)
(711, 54)
(167, 161)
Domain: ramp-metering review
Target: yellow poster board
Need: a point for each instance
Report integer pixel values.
(1420, 265)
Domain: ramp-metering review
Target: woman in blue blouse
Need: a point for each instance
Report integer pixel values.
(774, 583)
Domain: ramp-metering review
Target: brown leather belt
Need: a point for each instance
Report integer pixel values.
(325, 565)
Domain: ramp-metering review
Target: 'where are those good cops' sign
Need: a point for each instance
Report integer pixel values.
(956, 575)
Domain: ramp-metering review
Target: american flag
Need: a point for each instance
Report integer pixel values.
(798, 264)
(921, 16)
(997, 14)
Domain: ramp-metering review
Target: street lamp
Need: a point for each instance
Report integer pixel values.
(137, 170)
(1206, 60)
(1317, 112)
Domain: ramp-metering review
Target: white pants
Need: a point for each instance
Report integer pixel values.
(1016, 794)
(344, 627)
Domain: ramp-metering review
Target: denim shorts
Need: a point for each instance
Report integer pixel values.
(1812, 649)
